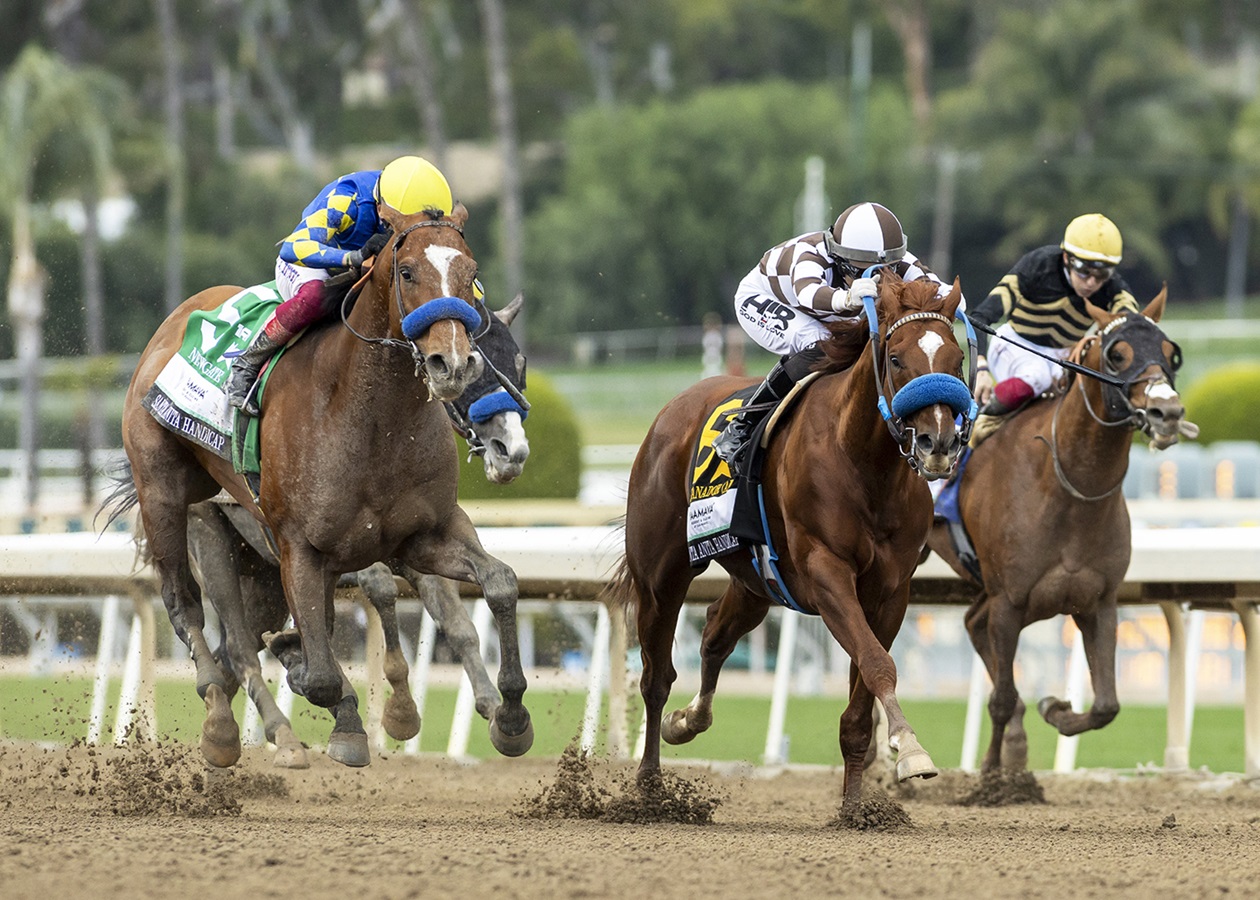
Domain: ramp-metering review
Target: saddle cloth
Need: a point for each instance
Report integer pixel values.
(188, 397)
(947, 509)
(723, 512)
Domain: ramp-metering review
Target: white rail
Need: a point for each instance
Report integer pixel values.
(1177, 569)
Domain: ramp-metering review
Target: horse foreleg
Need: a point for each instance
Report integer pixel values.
(857, 727)
(308, 589)
(1098, 633)
(994, 631)
(458, 554)
(441, 598)
(728, 619)
(400, 719)
(348, 743)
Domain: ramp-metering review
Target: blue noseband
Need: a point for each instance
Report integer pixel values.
(418, 321)
(930, 389)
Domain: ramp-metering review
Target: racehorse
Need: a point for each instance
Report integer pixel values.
(360, 466)
(845, 511)
(1041, 502)
(238, 573)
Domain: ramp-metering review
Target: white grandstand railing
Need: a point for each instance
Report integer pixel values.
(1181, 571)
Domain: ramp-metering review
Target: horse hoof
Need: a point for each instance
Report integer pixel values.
(511, 744)
(401, 724)
(285, 646)
(349, 749)
(220, 738)
(1052, 706)
(915, 764)
(290, 754)
(674, 728)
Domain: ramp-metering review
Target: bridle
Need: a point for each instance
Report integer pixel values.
(476, 319)
(1117, 389)
(921, 391)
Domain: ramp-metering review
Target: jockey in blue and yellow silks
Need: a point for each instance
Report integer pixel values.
(339, 229)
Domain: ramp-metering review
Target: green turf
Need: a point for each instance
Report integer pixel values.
(57, 708)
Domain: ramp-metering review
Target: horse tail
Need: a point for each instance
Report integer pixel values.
(123, 498)
(621, 588)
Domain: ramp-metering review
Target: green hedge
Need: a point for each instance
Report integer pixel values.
(1225, 403)
(554, 469)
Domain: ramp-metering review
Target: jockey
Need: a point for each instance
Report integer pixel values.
(1044, 296)
(339, 229)
(802, 284)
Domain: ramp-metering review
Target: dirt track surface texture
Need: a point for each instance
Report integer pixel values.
(154, 822)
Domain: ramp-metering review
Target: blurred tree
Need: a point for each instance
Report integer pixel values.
(663, 208)
(1077, 107)
(48, 110)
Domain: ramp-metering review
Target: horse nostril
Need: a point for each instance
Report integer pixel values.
(499, 448)
(437, 365)
(925, 443)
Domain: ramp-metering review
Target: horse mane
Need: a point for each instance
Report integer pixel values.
(849, 337)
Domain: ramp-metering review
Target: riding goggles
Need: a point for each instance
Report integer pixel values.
(1088, 269)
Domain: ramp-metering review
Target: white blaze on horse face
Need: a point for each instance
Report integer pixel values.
(1161, 390)
(929, 343)
(441, 258)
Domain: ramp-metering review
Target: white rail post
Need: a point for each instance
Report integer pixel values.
(136, 702)
(104, 661)
(1177, 749)
(1194, 652)
(977, 694)
(375, 659)
(1251, 697)
(420, 667)
(252, 732)
(618, 646)
(776, 752)
(465, 701)
(597, 680)
(1077, 671)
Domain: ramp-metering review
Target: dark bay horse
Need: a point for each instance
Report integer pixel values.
(847, 515)
(1041, 502)
(359, 466)
(239, 575)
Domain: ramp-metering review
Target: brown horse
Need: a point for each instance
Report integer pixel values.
(359, 465)
(846, 513)
(1041, 502)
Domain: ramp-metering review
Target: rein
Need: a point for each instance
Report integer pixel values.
(1135, 419)
(925, 390)
(482, 324)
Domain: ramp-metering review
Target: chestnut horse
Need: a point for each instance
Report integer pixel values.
(846, 513)
(359, 466)
(1041, 502)
(238, 573)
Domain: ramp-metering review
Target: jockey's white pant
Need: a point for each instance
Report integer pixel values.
(290, 277)
(1011, 360)
(773, 324)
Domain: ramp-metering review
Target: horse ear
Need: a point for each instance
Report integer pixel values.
(391, 216)
(953, 298)
(1098, 314)
(508, 313)
(1155, 309)
(459, 214)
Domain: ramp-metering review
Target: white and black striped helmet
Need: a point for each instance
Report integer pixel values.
(866, 233)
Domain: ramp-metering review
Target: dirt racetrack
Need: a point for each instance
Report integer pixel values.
(155, 823)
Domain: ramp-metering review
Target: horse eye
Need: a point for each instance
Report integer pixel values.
(896, 363)
(405, 273)
(1116, 356)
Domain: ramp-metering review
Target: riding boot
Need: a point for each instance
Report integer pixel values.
(247, 366)
(1009, 396)
(729, 445)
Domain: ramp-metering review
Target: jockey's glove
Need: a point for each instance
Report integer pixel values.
(375, 244)
(354, 259)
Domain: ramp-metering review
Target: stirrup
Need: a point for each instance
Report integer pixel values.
(732, 439)
(241, 387)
